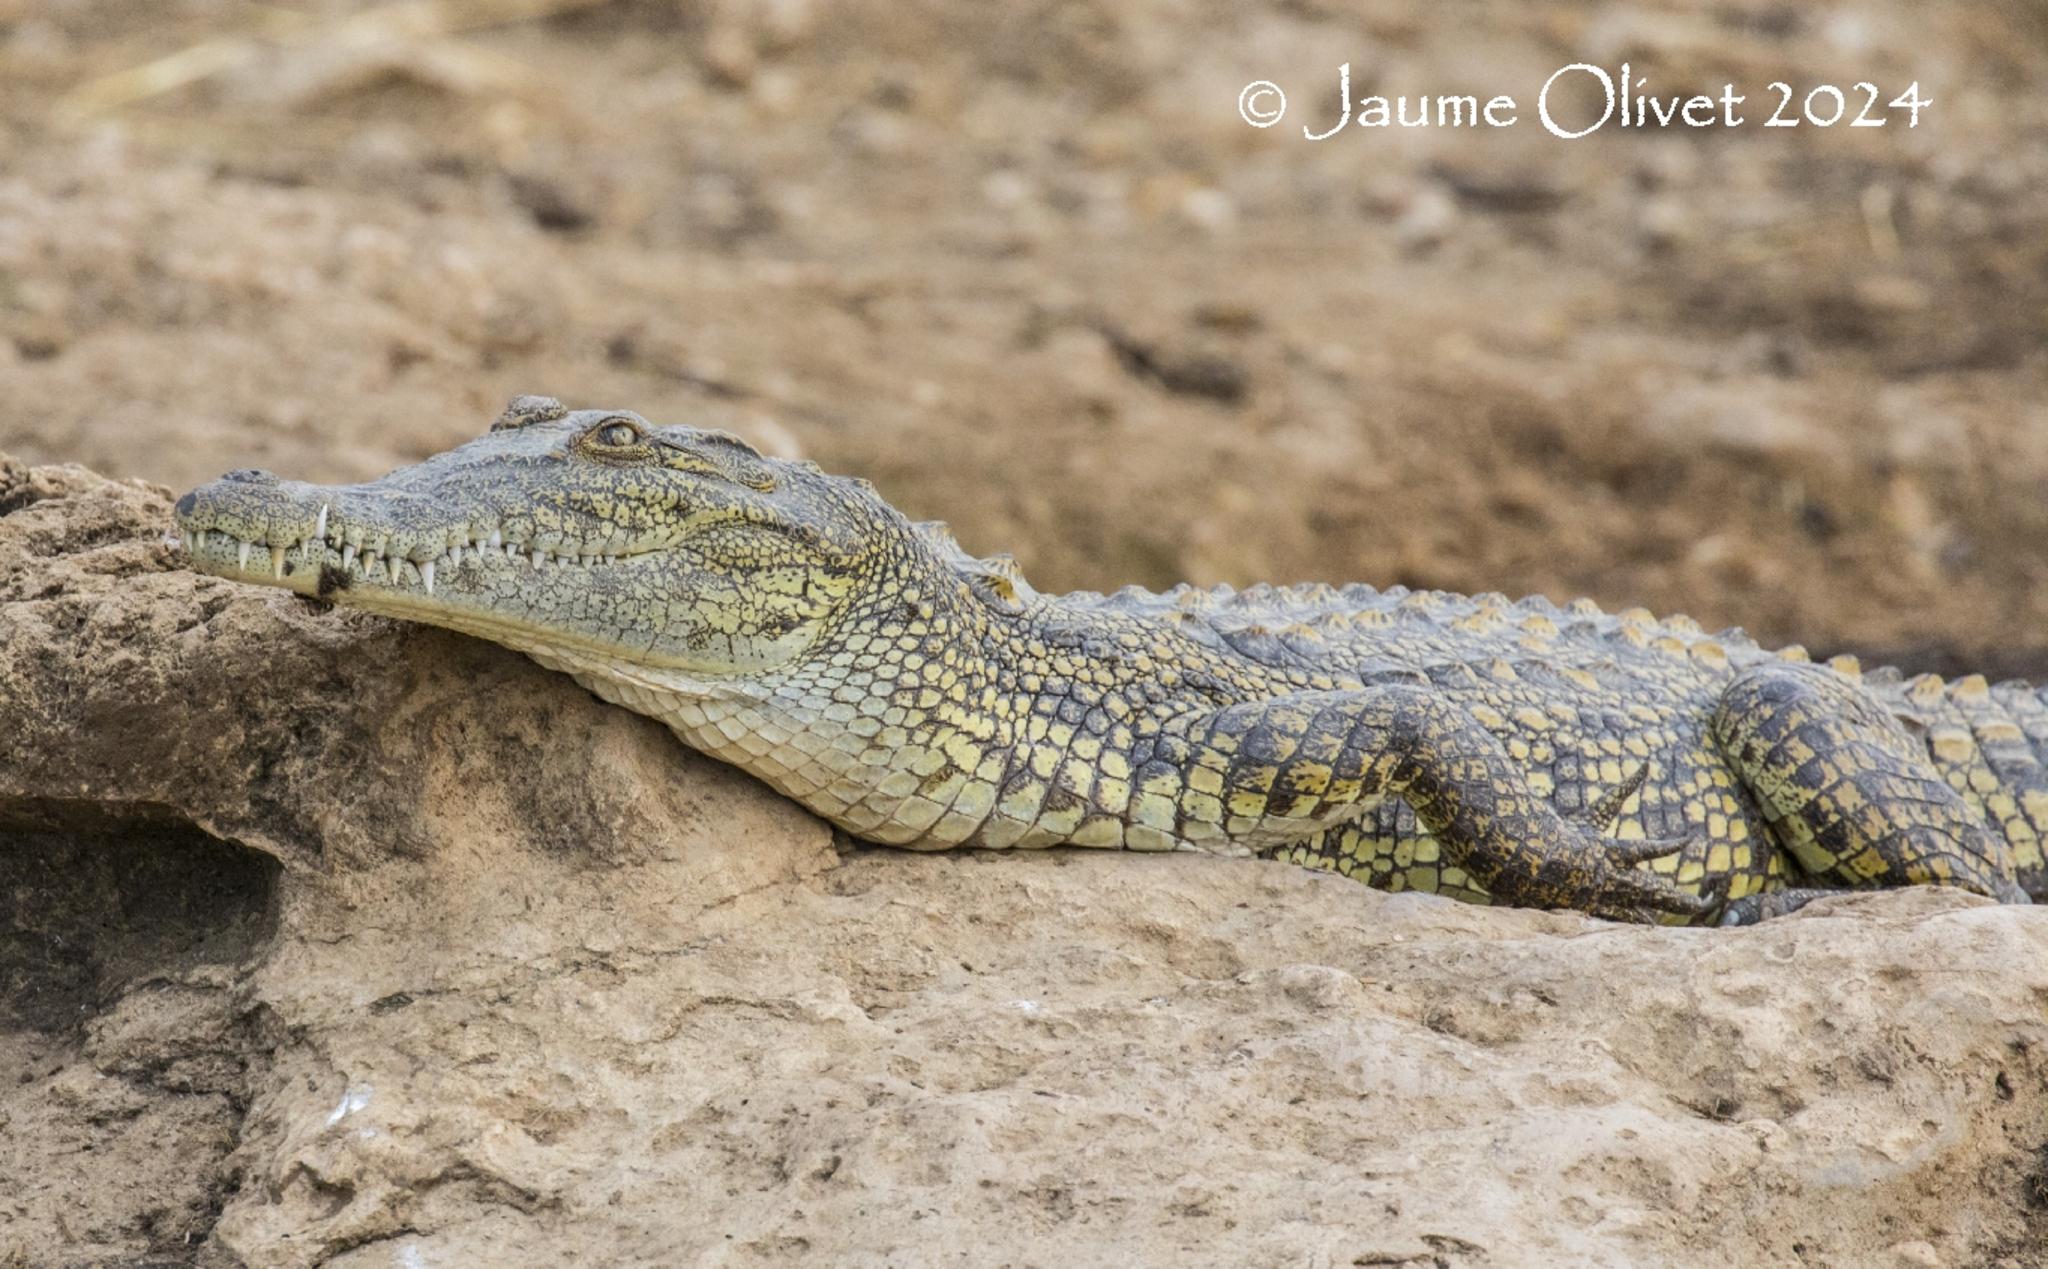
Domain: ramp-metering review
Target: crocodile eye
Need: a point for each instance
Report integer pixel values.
(618, 434)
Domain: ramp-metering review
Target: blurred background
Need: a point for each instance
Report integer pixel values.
(1026, 267)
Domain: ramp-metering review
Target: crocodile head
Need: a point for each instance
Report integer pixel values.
(591, 535)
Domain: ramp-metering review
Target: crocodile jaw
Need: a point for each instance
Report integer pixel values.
(480, 550)
(319, 542)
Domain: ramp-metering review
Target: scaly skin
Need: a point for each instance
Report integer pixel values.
(794, 624)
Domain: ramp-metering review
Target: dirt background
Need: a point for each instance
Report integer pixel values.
(1026, 267)
(352, 960)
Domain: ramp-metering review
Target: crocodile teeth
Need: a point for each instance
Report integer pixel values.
(348, 542)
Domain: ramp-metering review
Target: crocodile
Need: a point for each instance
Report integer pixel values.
(793, 623)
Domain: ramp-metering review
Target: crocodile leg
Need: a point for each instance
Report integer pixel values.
(1285, 770)
(1853, 797)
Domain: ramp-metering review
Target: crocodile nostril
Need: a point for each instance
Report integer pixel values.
(186, 503)
(250, 476)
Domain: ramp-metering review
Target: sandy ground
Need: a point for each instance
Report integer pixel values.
(1027, 268)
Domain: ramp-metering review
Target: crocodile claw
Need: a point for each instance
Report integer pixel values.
(1647, 896)
(1642, 852)
(1618, 890)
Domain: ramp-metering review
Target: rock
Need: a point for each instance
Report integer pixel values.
(333, 940)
